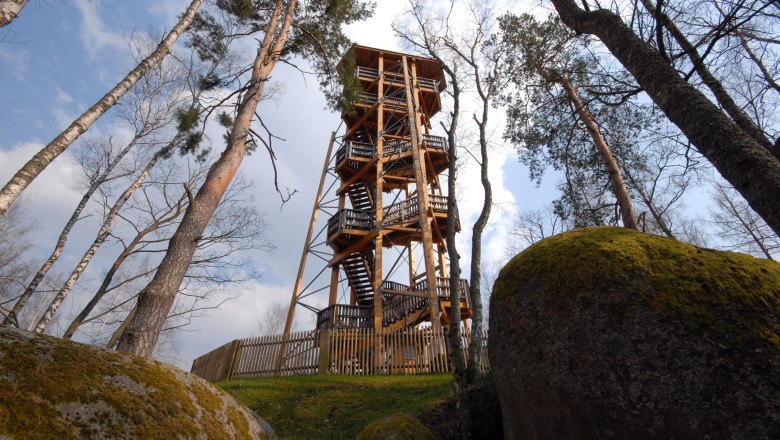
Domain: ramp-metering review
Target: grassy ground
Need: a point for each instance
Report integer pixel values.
(336, 407)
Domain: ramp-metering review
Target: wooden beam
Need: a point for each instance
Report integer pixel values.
(359, 245)
(345, 186)
(412, 91)
(304, 254)
(378, 212)
(360, 121)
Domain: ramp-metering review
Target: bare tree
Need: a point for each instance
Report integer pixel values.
(219, 265)
(150, 108)
(735, 154)
(15, 268)
(483, 59)
(534, 225)
(101, 236)
(272, 322)
(739, 227)
(13, 189)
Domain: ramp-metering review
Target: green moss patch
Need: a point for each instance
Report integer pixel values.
(333, 406)
(51, 388)
(723, 292)
(396, 427)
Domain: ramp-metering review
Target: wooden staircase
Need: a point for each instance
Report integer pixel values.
(359, 267)
(361, 195)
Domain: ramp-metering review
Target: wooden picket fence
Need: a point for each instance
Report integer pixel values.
(339, 351)
(257, 356)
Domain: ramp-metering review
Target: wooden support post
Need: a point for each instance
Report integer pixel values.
(325, 360)
(304, 254)
(334, 286)
(412, 98)
(378, 199)
(442, 261)
(234, 347)
(410, 248)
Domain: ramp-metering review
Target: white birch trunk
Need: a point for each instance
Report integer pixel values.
(9, 10)
(13, 189)
(12, 317)
(101, 237)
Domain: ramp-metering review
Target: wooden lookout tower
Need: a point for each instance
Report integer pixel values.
(386, 233)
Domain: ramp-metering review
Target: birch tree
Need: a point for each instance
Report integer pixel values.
(739, 228)
(15, 267)
(219, 264)
(9, 10)
(30, 170)
(150, 108)
(316, 31)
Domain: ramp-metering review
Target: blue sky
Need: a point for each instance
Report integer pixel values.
(60, 57)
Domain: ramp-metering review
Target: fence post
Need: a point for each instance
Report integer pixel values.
(323, 366)
(234, 346)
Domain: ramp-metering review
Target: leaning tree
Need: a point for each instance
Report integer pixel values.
(312, 30)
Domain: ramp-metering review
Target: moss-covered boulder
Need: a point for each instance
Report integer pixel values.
(396, 427)
(609, 333)
(51, 388)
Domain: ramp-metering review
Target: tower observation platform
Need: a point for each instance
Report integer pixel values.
(386, 232)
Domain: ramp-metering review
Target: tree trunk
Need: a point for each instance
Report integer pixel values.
(743, 162)
(618, 186)
(11, 318)
(105, 229)
(156, 299)
(47, 154)
(118, 332)
(9, 10)
(648, 201)
(454, 334)
(475, 281)
(717, 89)
(174, 213)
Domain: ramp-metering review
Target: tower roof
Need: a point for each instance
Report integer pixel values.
(426, 67)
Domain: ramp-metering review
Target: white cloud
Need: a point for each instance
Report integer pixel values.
(237, 319)
(49, 198)
(63, 97)
(93, 32)
(376, 31)
(16, 61)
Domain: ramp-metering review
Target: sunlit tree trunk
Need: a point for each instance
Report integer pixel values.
(156, 299)
(9, 10)
(13, 189)
(615, 178)
(169, 216)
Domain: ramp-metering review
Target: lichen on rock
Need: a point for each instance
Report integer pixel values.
(611, 333)
(50, 388)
